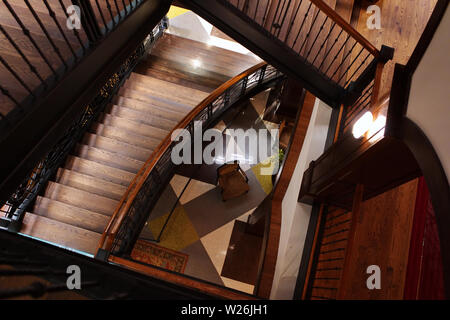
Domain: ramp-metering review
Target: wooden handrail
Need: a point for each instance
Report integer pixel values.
(127, 199)
(181, 280)
(325, 8)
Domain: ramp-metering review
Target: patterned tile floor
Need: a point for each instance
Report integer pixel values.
(201, 224)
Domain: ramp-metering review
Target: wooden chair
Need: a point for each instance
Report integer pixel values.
(233, 180)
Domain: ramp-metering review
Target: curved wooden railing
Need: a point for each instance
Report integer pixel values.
(135, 204)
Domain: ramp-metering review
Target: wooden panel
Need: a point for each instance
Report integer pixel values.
(325, 278)
(382, 238)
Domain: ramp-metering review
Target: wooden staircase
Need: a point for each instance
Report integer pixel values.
(76, 205)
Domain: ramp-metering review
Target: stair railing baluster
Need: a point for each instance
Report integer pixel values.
(356, 70)
(125, 7)
(337, 54)
(324, 42)
(331, 48)
(256, 10)
(293, 19)
(309, 32)
(58, 25)
(108, 5)
(44, 29)
(317, 36)
(119, 15)
(75, 31)
(345, 59)
(30, 65)
(18, 78)
(101, 15)
(301, 26)
(6, 93)
(273, 24)
(349, 66)
(27, 33)
(284, 18)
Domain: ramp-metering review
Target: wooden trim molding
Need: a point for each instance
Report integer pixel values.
(217, 291)
(273, 238)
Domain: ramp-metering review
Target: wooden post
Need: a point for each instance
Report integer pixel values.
(313, 251)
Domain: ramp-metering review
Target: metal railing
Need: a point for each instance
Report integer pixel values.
(143, 192)
(13, 210)
(316, 33)
(53, 38)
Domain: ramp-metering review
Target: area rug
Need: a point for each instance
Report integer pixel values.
(150, 253)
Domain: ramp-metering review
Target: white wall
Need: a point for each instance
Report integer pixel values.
(429, 101)
(295, 215)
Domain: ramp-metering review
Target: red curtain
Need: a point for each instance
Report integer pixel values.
(424, 277)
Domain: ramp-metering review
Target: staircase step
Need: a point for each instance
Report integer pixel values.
(138, 116)
(155, 99)
(60, 233)
(146, 91)
(125, 136)
(90, 184)
(68, 214)
(80, 198)
(133, 126)
(165, 88)
(146, 107)
(99, 170)
(108, 158)
(116, 146)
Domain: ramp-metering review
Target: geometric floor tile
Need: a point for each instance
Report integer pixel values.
(179, 232)
(237, 285)
(195, 189)
(216, 244)
(261, 172)
(200, 265)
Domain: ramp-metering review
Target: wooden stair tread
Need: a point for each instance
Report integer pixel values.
(99, 170)
(138, 116)
(60, 233)
(133, 126)
(154, 99)
(181, 74)
(108, 158)
(90, 184)
(68, 214)
(165, 90)
(80, 198)
(116, 146)
(154, 84)
(141, 106)
(213, 58)
(125, 136)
